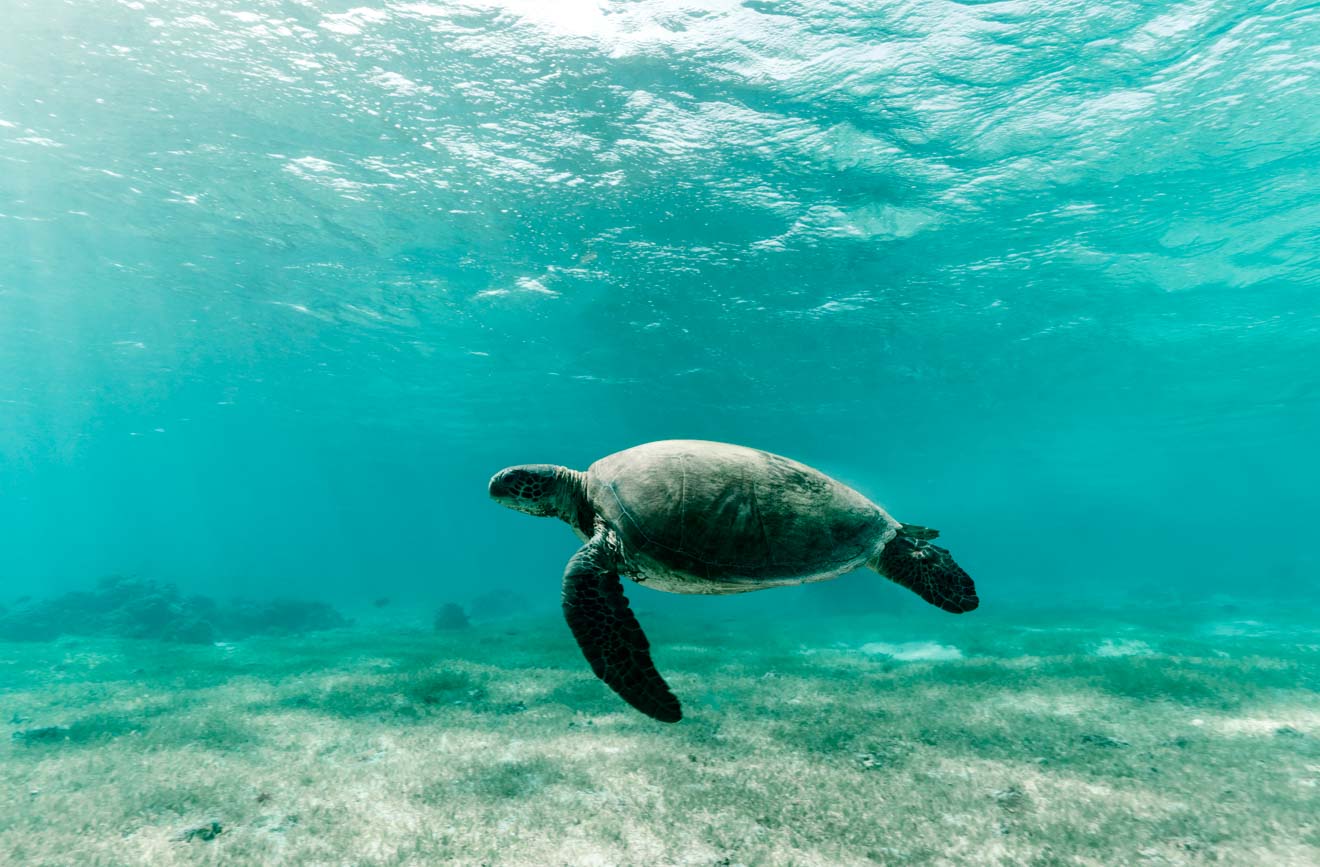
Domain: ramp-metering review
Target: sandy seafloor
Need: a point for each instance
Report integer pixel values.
(1142, 736)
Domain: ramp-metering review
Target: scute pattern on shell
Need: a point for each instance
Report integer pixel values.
(717, 511)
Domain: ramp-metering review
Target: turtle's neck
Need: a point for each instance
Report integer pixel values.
(571, 504)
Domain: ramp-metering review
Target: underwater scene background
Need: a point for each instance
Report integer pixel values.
(283, 282)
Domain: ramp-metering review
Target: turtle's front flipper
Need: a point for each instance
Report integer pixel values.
(609, 634)
(927, 570)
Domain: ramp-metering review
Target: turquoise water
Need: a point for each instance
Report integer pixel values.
(283, 282)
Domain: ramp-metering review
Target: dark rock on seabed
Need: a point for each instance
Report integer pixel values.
(450, 616)
(129, 607)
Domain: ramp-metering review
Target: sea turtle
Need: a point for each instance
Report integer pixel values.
(689, 516)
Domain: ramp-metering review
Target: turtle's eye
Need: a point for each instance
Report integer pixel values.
(509, 484)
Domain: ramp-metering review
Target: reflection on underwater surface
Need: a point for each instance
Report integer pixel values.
(285, 282)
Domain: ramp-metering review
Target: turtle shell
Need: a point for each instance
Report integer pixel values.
(724, 512)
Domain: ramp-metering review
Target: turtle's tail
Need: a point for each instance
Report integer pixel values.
(927, 570)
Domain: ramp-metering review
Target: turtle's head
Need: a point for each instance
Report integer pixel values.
(536, 489)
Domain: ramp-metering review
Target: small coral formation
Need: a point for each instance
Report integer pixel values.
(128, 607)
(206, 831)
(450, 616)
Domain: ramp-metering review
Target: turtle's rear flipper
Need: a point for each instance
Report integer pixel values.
(610, 636)
(927, 570)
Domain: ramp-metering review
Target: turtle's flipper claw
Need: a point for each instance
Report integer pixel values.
(916, 531)
(610, 636)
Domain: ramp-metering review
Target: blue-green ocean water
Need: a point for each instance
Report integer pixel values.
(282, 282)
